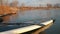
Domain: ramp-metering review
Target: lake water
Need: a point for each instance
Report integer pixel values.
(23, 16)
(55, 29)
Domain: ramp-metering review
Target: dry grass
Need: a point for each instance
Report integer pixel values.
(7, 10)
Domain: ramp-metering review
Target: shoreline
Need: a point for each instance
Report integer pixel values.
(36, 8)
(11, 10)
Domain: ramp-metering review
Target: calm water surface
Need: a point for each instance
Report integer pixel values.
(37, 14)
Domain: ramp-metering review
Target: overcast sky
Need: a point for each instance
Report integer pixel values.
(36, 2)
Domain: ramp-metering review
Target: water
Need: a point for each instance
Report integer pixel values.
(55, 29)
(23, 16)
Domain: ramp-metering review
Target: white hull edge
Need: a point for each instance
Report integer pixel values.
(26, 29)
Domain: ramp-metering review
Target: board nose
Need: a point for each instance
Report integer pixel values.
(53, 19)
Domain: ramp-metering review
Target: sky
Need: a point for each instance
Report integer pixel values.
(36, 2)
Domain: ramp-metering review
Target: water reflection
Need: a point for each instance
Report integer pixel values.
(42, 33)
(35, 33)
(6, 19)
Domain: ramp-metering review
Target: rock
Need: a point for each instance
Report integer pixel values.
(1, 20)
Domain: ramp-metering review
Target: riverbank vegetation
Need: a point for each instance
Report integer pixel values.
(6, 8)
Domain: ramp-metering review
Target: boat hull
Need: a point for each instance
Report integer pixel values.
(38, 28)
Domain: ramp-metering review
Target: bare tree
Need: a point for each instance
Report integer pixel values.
(49, 5)
(57, 5)
(6, 2)
(14, 3)
(3, 2)
(0, 2)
